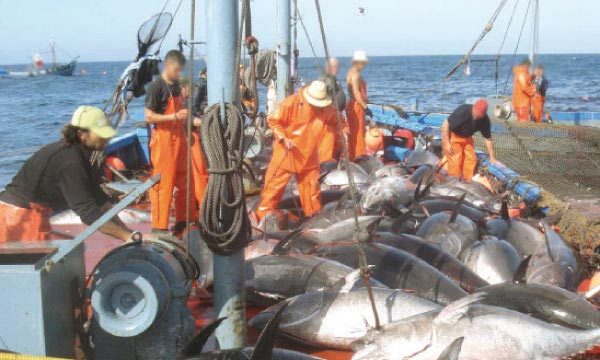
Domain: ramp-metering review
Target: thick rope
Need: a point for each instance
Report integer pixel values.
(225, 191)
(362, 256)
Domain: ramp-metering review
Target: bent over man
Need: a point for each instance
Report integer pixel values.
(457, 138)
(298, 124)
(58, 177)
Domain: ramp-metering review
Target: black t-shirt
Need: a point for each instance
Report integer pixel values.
(200, 97)
(60, 177)
(461, 123)
(158, 94)
(334, 90)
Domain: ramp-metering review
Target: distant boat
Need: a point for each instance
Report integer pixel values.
(40, 68)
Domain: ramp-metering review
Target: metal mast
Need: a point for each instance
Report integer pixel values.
(222, 23)
(535, 31)
(284, 16)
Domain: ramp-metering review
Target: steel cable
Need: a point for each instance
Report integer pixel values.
(362, 256)
(222, 145)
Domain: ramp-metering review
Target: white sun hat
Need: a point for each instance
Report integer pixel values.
(360, 56)
(316, 94)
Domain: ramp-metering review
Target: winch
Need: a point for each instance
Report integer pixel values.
(139, 300)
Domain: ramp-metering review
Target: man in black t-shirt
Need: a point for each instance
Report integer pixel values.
(457, 138)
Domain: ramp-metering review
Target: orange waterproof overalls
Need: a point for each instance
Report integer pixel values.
(168, 154)
(22, 224)
(523, 91)
(463, 161)
(304, 125)
(537, 107)
(355, 114)
(199, 168)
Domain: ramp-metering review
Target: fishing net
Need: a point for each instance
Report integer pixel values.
(564, 160)
(152, 31)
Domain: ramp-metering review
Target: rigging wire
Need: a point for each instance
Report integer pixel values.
(312, 48)
(190, 119)
(497, 73)
(517, 46)
(362, 257)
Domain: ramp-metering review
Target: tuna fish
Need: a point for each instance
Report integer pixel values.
(263, 350)
(547, 303)
(344, 231)
(434, 256)
(492, 259)
(421, 157)
(394, 170)
(128, 216)
(337, 319)
(339, 179)
(388, 195)
(323, 219)
(272, 278)
(454, 232)
(489, 332)
(398, 269)
(441, 204)
(553, 263)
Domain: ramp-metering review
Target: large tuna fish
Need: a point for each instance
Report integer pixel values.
(492, 259)
(344, 231)
(553, 263)
(525, 237)
(261, 351)
(393, 170)
(398, 269)
(421, 157)
(439, 204)
(339, 179)
(454, 232)
(547, 303)
(325, 219)
(489, 332)
(389, 195)
(432, 254)
(337, 319)
(272, 278)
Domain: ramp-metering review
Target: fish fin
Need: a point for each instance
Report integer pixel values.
(348, 282)
(457, 207)
(520, 274)
(263, 350)
(456, 310)
(418, 192)
(283, 247)
(453, 350)
(194, 346)
(504, 209)
(373, 225)
(592, 292)
(547, 229)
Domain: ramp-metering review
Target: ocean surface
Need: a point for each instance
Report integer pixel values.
(33, 110)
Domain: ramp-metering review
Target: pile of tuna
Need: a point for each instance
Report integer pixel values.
(452, 275)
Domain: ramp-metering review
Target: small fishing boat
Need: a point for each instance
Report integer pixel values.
(40, 68)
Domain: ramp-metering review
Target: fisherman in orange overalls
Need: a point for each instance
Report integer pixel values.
(357, 108)
(523, 91)
(166, 113)
(457, 138)
(298, 124)
(329, 144)
(539, 98)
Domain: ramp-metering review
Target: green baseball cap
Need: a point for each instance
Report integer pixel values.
(93, 119)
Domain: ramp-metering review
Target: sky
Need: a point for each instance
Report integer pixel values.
(105, 30)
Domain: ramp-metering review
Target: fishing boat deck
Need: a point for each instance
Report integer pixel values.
(200, 301)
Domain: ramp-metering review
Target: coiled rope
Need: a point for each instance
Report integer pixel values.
(222, 146)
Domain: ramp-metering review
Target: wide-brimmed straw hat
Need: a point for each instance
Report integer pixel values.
(360, 56)
(316, 94)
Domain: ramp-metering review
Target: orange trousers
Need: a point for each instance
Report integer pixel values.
(199, 168)
(463, 161)
(356, 126)
(168, 153)
(21, 224)
(523, 113)
(276, 179)
(537, 108)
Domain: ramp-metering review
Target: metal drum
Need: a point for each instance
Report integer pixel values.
(139, 302)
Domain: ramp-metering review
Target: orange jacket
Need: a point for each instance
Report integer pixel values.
(304, 124)
(523, 89)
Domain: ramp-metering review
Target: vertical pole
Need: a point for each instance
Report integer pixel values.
(535, 30)
(283, 49)
(188, 160)
(229, 292)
